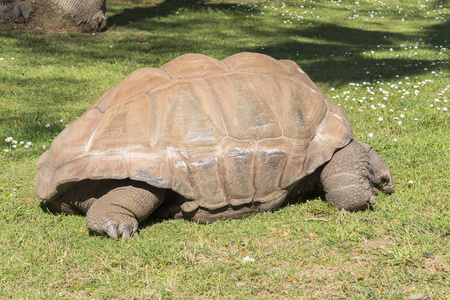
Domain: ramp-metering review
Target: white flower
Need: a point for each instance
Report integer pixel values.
(394, 140)
(399, 122)
(370, 134)
(21, 142)
(43, 147)
(380, 119)
(9, 139)
(6, 150)
(14, 146)
(47, 125)
(29, 143)
(14, 142)
(411, 181)
(248, 259)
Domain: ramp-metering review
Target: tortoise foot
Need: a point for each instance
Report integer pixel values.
(113, 225)
(119, 211)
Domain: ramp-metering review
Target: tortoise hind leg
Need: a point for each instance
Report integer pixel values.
(119, 211)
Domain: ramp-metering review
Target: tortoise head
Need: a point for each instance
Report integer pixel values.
(352, 176)
(379, 173)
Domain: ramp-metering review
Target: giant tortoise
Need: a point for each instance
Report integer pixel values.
(202, 139)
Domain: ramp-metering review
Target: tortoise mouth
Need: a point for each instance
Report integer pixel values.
(386, 189)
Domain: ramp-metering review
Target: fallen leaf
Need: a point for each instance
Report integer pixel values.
(421, 296)
(291, 279)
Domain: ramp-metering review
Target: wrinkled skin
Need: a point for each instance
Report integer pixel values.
(115, 208)
(350, 177)
(112, 208)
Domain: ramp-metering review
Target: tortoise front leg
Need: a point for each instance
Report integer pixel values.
(112, 207)
(119, 211)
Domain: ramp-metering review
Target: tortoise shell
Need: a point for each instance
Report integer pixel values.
(240, 131)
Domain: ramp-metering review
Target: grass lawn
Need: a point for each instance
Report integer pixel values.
(385, 61)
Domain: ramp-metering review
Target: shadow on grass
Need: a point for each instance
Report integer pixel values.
(167, 8)
(37, 106)
(155, 34)
(329, 53)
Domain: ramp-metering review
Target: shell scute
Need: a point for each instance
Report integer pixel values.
(205, 169)
(125, 125)
(300, 109)
(132, 86)
(186, 115)
(248, 107)
(239, 170)
(271, 158)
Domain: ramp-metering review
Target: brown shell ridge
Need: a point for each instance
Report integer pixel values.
(221, 169)
(344, 132)
(180, 73)
(112, 94)
(155, 120)
(277, 104)
(340, 135)
(89, 142)
(218, 107)
(238, 61)
(167, 74)
(172, 166)
(255, 169)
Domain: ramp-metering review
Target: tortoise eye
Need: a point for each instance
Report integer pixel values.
(384, 180)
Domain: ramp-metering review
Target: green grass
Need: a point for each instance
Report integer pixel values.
(386, 62)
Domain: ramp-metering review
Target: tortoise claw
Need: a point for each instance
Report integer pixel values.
(111, 230)
(127, 231)
(114, 229)
(124, 230)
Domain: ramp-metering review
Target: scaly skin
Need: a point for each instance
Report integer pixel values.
(113, 208)
(349, 177)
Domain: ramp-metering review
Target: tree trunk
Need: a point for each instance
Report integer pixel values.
(82, 15)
